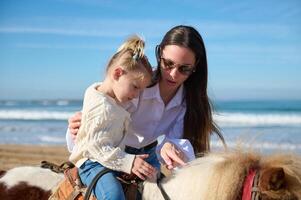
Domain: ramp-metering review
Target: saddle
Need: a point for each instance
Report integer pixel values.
(71, 187)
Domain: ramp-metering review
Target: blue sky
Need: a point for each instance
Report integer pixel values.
(54, 49)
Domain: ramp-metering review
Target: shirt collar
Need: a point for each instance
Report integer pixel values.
(154, 93)
(177, 99)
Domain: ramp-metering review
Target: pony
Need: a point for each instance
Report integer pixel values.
(222, 176)
(229, 175)
(28, 183)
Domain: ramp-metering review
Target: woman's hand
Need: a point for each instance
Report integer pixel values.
(74, 124)
(172, 156)
(141, 168)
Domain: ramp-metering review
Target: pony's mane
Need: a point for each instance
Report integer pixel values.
(231, 167)
(229, 172)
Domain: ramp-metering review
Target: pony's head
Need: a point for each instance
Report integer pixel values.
(225, 176)
(280, 178)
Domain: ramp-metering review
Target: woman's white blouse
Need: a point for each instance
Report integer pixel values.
(151, 118)
(100, 137)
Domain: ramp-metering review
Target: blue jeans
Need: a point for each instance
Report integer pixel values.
(152, 156)
(107, 187)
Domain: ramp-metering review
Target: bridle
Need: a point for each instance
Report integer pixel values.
(250, 189)
(255, 193)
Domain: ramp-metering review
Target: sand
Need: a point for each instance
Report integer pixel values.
(20, 155)
(31, 155)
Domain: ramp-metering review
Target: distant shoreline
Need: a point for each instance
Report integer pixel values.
(12, 155)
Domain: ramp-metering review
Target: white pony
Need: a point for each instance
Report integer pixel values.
(222, 176)
(216, 176)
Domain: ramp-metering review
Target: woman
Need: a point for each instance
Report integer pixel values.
(176, 105)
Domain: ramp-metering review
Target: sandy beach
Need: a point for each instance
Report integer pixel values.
(19, 155)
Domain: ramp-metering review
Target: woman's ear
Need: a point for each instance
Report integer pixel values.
(117, 73)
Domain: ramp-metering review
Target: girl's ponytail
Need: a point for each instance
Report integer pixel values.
(135, 45)
(130, 55)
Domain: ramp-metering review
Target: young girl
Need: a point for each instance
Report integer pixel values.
(105, 122)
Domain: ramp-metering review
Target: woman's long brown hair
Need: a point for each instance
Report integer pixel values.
(198, 122)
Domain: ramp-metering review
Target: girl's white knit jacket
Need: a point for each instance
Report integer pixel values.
(103, 126)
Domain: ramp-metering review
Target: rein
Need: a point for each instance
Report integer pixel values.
(159, 184)
(87, 193)
(106, 170)
(94, 181)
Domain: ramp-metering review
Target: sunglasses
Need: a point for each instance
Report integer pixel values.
(183, 69)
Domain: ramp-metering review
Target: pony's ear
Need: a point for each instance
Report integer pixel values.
(272, 178)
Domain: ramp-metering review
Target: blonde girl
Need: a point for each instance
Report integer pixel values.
(99, 142)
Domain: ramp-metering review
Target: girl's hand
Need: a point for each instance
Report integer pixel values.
(172, 156)
(74, 124)
(142, 169)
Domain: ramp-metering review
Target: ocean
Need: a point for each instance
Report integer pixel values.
(265, 126)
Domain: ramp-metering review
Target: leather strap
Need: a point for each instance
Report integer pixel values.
(159, 184)
(145, 148)
(95, 179)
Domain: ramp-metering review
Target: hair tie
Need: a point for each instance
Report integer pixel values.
(135, 56)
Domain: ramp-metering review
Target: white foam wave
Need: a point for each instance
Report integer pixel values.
(265, 145)
(62, 103)
(49, 139)
(34, 115)
(248, 119)
(222, 119)
(10, 103)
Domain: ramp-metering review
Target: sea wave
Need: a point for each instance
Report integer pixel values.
(32, 128)
(39, 103)
(252, 119)
(51, 139)
(225, 119)
(265, 145)
(34, 115)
